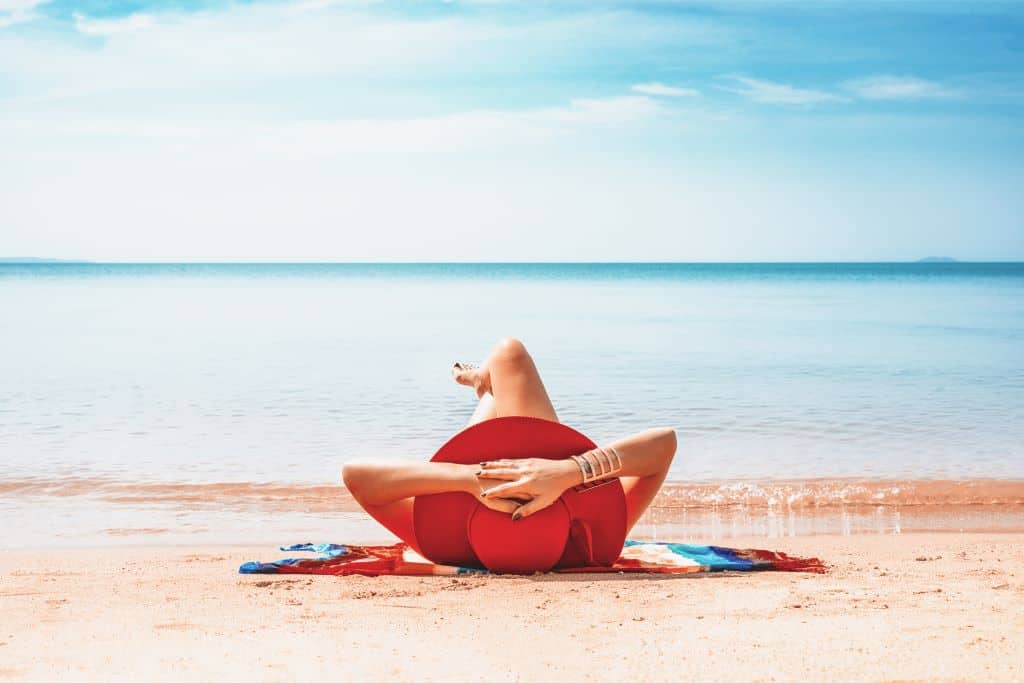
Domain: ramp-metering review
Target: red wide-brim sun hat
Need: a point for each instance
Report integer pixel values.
(585, 527)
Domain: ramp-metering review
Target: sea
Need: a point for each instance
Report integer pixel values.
(217, 403)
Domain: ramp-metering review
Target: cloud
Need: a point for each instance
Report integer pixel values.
(609, 109)
(352, 50)
(896, 88)
(662, 90)
(778, 93)
(470, 129)
(884, 87)
(109, 27)
(473, 129)
(415, 187)
(18, 11)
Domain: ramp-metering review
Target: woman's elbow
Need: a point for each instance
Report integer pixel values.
(355, 475)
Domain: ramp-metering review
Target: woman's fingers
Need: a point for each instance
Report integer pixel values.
(501, 504)
(534, 505)
(512, 489)
(498, 473)
(527, 509)
(500, 464)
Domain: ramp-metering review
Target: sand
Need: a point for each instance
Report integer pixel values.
(893, 608)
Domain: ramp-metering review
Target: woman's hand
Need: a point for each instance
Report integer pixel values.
(506, 505)
(530, 485)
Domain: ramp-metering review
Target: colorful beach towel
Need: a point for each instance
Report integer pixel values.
(644, 557)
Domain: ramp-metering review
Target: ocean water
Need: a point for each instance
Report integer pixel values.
(114, 376)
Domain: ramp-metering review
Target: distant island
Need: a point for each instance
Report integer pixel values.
(937, 259)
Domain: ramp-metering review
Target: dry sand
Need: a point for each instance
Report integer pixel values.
(910, 607)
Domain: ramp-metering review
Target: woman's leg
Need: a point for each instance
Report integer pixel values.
(484, 410)
(508, 384)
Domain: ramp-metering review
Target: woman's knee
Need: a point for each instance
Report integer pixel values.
(510, 351)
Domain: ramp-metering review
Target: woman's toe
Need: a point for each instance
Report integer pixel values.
(463, 373)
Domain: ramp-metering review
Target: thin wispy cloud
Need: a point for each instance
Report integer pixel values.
(253, 47)
(887, 87)
(492, 128)
(110, 27)
(661, 90)
(770, 92)
(18, 11)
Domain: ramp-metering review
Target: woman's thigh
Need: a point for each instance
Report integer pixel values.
(516, 386)
(640, 491)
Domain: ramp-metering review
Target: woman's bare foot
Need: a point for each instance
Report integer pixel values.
(470, 375)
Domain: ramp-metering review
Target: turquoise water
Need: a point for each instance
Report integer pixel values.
(283, 372)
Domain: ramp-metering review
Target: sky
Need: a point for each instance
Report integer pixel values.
(314, 130)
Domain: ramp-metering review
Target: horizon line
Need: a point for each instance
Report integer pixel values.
(923, 261)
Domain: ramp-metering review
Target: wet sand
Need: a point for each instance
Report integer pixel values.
(903, 607)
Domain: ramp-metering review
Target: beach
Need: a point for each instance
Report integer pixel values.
(942, 606)
(160, 425)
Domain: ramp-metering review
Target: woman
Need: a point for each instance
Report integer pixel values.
(508, 384)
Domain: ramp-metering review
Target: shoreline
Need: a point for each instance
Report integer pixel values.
(798, 493)
(914, 607)
(107, 512)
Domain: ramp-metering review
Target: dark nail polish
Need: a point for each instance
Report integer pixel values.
(483, 494)
(516, 517)
(479, 472)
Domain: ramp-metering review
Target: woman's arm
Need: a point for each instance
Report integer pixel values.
(380, 483)
(519, 487)
(541, 482)
(374, 483)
